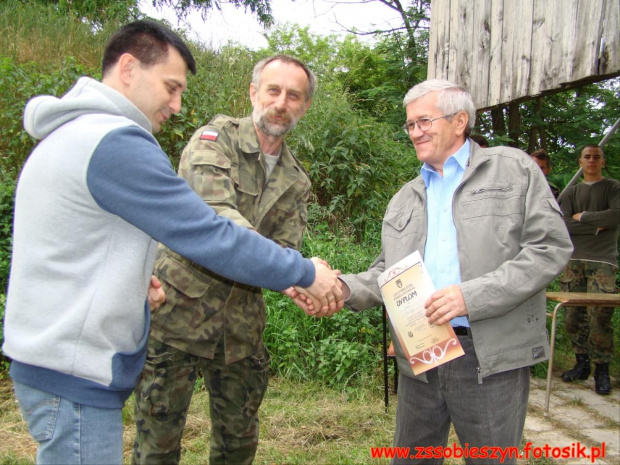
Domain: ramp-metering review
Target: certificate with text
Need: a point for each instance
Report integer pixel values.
(405, 287)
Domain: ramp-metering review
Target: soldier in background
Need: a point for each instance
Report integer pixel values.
(592, 215)
(245, 171)
(542, 159)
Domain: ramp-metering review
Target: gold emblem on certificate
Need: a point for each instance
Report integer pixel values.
(404, 288)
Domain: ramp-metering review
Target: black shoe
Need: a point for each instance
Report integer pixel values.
(580, 371)
(602, 384)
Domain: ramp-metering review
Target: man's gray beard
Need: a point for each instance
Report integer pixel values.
(269, 129)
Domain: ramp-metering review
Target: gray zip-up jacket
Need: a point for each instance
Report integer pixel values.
(512, 242)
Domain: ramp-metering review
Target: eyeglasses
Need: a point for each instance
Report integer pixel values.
(423, 123)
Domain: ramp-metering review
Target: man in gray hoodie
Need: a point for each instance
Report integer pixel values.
(93, 200)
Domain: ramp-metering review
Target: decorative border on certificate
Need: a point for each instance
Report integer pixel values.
(405, 287)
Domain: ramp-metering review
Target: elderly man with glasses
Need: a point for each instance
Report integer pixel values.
(492, 237)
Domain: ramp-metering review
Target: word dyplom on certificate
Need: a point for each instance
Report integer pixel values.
(405, 287)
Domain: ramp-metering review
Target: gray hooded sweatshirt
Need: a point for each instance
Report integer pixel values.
(92, 201)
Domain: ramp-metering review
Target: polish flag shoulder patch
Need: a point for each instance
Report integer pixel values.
(209, 135)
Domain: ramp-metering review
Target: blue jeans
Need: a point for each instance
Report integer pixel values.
(70, 433)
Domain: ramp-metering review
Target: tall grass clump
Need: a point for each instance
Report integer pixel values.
(35, 32)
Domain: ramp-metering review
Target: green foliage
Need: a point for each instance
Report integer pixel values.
(209, 94)
(7, 189)
(34, 32)
(316, 52)
(100, 12)
(96, 11)
(259, 8)
(380, 76)
(4, 362)
(339, 351)
(19, 83)
(567, 121)
(350, 143)
(355, 162)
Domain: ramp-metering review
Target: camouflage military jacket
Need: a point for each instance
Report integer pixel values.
(224, 164)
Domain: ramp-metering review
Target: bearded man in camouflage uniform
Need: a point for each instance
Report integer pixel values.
(592, 215)
(245, 171)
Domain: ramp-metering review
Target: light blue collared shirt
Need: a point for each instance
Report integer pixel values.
(441, 255)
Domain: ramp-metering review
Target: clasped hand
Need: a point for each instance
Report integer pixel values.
(324, 296)
(156, 294)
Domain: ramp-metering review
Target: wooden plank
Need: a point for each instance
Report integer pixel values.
(481, 49)
(465, 42)
(507, 50)
(431, 68)
(453, 46)
(495, 55)
(445, 44)
(522, 49)
(585, 299)
(565, 12)
(568, 27)
(544, 37)
(439, 23)
(588, 34)
(508, 45)
(610, 59)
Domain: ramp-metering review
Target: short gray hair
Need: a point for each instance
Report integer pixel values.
(452, 99)
(260, 66)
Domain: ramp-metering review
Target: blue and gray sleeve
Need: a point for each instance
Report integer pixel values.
(130, 176)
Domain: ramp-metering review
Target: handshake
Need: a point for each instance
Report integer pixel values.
(324, 296)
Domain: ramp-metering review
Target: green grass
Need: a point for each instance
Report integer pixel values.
(26, 36)
(308, 423)
(301, 423)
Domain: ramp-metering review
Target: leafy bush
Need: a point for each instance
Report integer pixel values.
(19, 83)
(7, 189)
(221, 85)
(340, 351)
(354, 164)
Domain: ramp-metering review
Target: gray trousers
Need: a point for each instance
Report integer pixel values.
(490, 414)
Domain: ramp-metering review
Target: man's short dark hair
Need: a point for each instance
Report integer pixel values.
(148, 41)
(592, 146)
(480, 140)
(542, 155)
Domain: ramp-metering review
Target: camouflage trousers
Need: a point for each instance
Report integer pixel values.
(589, 328)
(163, 396)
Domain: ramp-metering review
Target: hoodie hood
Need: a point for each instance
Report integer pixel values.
(44, 114)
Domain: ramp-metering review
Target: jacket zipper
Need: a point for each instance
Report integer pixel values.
(487, 189)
